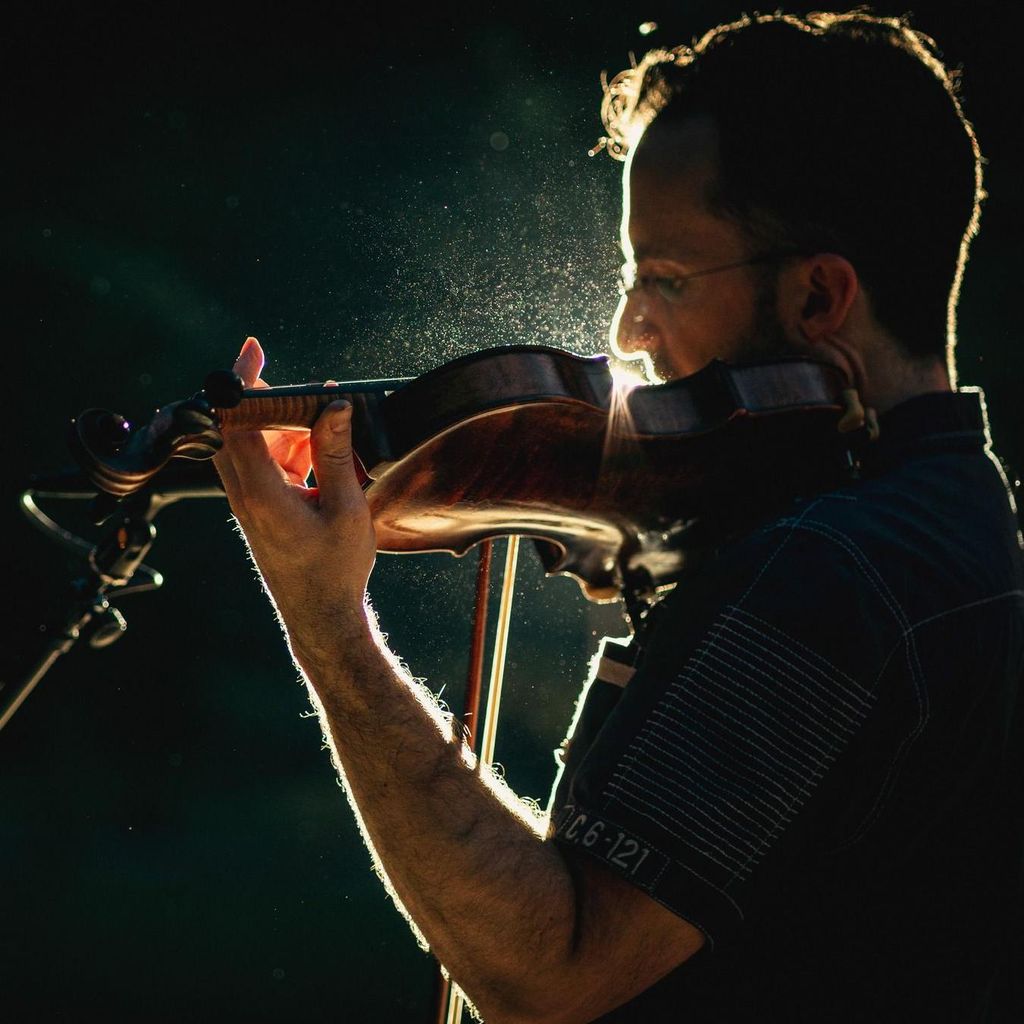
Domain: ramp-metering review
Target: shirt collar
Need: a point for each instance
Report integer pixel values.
(939, 421)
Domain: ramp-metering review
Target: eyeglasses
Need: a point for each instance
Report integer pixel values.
(671, 289)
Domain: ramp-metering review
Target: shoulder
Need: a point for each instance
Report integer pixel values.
(816, 578)
(851, 572)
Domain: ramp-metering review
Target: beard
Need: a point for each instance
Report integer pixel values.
(768, 338)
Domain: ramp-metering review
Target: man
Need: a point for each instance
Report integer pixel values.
(789, 797)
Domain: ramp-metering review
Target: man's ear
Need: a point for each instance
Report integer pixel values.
(824, 291)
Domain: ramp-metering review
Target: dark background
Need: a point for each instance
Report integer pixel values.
(370, 193)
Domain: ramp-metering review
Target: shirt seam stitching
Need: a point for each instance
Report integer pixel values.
(885, 790)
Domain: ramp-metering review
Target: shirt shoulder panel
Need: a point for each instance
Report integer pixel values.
(761, 672)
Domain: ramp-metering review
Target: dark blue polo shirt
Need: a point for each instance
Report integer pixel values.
(810, 750)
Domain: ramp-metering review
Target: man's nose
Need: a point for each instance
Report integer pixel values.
(633, 329)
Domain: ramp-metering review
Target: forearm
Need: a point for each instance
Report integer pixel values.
(464, 855)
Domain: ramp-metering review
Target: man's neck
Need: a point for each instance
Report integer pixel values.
(892, 379)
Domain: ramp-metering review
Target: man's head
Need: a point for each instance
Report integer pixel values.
(832, 153)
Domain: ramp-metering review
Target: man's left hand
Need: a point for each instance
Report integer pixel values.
(313, 546)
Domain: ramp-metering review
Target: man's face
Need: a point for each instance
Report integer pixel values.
(667, 233)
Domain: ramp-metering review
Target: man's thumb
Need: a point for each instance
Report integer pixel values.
(331, 450)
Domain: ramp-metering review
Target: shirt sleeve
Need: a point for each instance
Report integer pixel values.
(715, 770)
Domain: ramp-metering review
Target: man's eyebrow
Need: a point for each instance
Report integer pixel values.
(676, 255)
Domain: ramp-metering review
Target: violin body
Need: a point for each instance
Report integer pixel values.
(618, 485)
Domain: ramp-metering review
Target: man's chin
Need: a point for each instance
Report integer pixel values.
(662, 372)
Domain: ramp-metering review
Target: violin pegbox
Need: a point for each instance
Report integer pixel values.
(120, 460)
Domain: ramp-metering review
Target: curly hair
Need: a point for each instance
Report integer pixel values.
(838, 132)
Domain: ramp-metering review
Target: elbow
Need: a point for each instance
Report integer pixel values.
(543, 998)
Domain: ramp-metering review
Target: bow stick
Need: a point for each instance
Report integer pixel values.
(450, 1000)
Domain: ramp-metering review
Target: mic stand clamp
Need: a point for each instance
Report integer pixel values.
(111, 565)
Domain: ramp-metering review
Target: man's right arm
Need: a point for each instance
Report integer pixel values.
(525, 936)
(531, 931)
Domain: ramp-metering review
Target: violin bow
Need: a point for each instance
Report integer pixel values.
(450, 1000)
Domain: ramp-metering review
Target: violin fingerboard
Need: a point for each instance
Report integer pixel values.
(279, 412)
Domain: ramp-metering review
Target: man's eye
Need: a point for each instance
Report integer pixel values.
(670, 288)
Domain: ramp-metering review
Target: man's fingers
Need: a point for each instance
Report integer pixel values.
(249, 366)
(246, 464)
(297, 461)
(249, 363)
(254, 464)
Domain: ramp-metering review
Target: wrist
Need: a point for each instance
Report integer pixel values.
(331, 638)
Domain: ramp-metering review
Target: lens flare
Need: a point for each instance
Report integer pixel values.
(620, 420)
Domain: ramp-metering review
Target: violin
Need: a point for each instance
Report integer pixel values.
(618, 485)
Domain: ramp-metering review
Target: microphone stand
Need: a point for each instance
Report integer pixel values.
(112, 563)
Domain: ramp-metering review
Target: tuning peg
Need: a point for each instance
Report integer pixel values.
(223, 389)
(109, 432)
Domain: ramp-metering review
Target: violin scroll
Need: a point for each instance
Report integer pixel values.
(121, 461)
